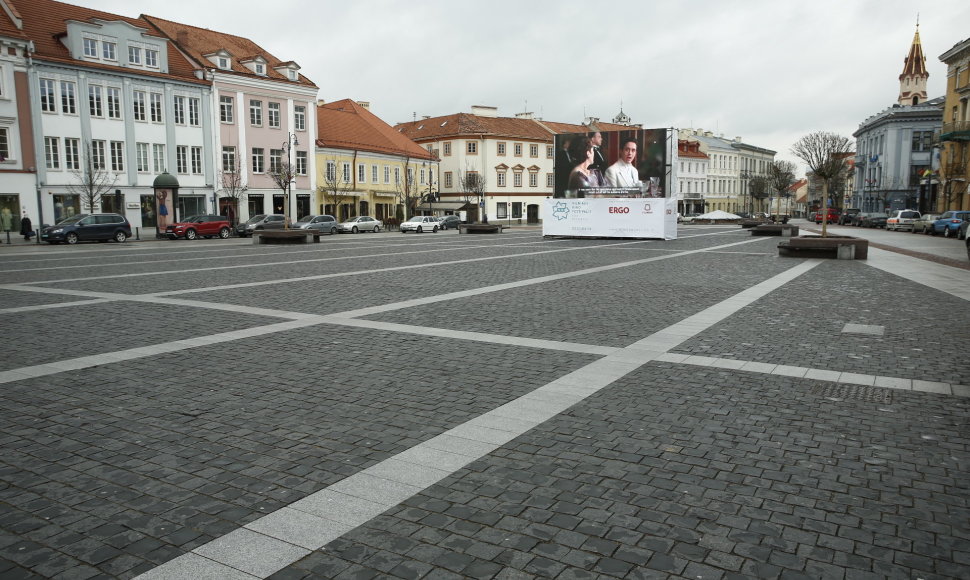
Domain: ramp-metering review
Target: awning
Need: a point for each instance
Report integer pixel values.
(445, 205)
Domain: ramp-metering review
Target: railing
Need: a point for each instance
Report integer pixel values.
(956, 131)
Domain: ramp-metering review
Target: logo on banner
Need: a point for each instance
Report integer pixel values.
(647, 209)
(614, 209)
(560, 211)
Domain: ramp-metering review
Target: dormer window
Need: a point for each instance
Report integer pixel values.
(293, 75)
(151, 58)
(223, 62)
(91, 47)
(109, 50)
(260, 69)
(134, 55)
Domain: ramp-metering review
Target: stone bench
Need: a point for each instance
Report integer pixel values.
(785, 231)
(285, 236)
(838, 247)
(480, 228)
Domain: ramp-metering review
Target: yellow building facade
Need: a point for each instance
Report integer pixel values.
(955, 134)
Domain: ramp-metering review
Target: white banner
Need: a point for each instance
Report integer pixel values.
(611, 217)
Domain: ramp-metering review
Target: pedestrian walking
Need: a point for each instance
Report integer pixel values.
(26, 228)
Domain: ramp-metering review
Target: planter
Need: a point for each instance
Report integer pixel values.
(838, 247)
(785, 231)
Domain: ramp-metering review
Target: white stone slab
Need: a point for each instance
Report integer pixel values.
(251, 552)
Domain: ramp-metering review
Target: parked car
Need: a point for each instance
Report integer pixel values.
(832, 218)
(420, 223)
(199, 225)
(962, 232)
(363, 223)
(870, 220)
(949, 223)
(84, 227)
(449, 222)
(966, 240)
(924, 224)
(321, 223)
(687, 218)
(845, 218)
(261, 221)
(902, 219)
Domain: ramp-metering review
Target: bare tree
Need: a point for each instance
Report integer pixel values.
(826, 155)
(781, 176)
(473, 185)
(233, 188)
(406, 186)
(758, 189)
(283, 174)
(93, 180)
(335, 189)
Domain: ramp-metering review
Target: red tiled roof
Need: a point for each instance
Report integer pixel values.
(7, 26)
(44, 22)
(347, 125)
(198, 42)
(460, 124)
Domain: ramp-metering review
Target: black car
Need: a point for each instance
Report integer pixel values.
(260, 222)
(848, 215)
(84, 227)
(449, 222)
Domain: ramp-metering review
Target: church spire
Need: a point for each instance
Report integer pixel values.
(912, 82)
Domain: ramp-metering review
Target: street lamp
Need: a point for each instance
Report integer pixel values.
(291, 140)
(747, 176)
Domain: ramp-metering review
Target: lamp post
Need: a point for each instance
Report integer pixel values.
(291, 140)
(746, 178)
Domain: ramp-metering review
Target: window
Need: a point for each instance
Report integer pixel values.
(156, 108)
(446, 147)
(517, 149)
(517, 179)
(397, 176)
(229, 159)
(550, 180)
(533, 180)
(548, 151)
(502, 210)
(273, 114)
(500, 148)
(194, 112)
(373, 174)
(138, 106)
(134, 55)
(471, 147)
(72, 153)
(259, 69)
(922, 140)
(225, 109)
(301, 162)
(258, 162)
(275, 160)
(331, 171)
(179, 110)
(52, 152)
(299, 118)
(47, 98)
(68, 100)
(223, 62)
(97, 154)
(95, 106)
(533, 150)
(346, 172)
(449, 180)
(471, 178)
(361, 173)
(387, 174)
(196, 160)
(158, 152)
(117, 156)
(4, 144)
(114, 103)
(516, 209)
(141, 157)
(91, 47)
(500, 179)
(108, 50)
(181, 159)
(255, 113)
(151, 58)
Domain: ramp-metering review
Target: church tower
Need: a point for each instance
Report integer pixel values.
(912, 83)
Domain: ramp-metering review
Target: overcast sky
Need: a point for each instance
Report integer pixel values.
(768, 71)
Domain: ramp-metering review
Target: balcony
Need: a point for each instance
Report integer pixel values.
(955, 131)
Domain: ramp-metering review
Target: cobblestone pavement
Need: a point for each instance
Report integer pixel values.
(445, 406)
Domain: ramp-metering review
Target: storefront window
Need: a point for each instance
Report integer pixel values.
(255, 205)
(112, 203)
(302, 204)
(9, 213)
(66, 206)
(190, 205)
(501, 211)
(148, 211)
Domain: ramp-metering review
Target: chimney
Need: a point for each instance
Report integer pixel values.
(364, 104)
(523, 116)
(484, 111)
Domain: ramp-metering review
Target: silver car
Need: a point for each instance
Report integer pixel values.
(322, 223)
(363, 223)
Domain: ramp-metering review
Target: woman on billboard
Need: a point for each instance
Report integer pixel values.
(583, 176)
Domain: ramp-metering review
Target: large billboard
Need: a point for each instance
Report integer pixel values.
(630, 167)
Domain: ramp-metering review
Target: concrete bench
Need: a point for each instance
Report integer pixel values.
(286, 237)
(784, 231)
(480, 228)
(838, 247)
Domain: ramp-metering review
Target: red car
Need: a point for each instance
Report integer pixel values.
(833, 216)
(206, 226)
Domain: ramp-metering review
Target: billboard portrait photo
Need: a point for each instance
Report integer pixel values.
(611, 164)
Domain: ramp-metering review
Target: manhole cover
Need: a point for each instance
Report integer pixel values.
(857, 392)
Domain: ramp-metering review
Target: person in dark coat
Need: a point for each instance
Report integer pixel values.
(26, 229)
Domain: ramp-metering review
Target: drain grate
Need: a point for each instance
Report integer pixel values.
(857, 392)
